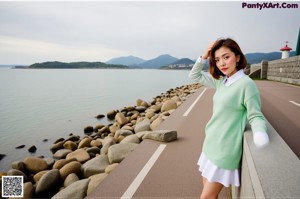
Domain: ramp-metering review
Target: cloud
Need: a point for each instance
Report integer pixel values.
(96, 30)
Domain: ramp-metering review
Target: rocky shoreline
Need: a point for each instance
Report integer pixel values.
(80, 164)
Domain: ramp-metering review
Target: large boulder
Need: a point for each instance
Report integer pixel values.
(80, 155)
(76, 190)
(38, 175)
(168, 105)
(70, 145)
(123, 132)
(118, 152)
(161, 135)
(35, 165)
(71, 167)
(111, 167)
(156, 123)
(48, 182)
(19, 165)
(121, 119)
(107, 142)
(131, 139)
(95, 181)
(85, 142)
(88, 130)
(60, 163)
(56, 146)
(111, 114)
(142, 126)
(27, 190)
(94, 166)
(71, 178)
(61, 153)
(16, 172)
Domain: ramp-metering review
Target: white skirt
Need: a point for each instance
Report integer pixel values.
(215, 174)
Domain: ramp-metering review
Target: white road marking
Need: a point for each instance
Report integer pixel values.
(295, 103)
(194, 103)
(140, 177)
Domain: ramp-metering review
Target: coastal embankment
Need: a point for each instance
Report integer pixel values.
(79, 164)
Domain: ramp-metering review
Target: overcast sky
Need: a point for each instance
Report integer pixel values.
(33, 32)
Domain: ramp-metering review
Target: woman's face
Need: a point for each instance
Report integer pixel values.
(226, 61)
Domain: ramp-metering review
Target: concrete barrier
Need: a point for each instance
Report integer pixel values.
(283, 70)
(271, 172)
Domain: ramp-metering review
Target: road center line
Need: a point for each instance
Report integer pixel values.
(140, 177)
(194, 103)
(295, 103)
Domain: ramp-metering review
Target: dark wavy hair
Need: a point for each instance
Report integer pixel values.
(234, 47)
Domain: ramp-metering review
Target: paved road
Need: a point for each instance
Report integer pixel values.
(168, 170)
(175, 173)
(281, 107)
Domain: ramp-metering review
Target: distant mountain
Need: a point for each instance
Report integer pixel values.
(127, 61)
(158, 62)
(253, 58)
(183, 61)
(71, 65)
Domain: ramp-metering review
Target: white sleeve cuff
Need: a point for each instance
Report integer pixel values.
(261, 139)
(200, 60)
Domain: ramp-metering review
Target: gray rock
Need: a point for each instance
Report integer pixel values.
(141, 134)
(123, 132)
(95, 181)
(15, 172)
(28, 190)
(70, 179)
(70, 145)
(131, 139)
(96, 143)
(94, 166)
(161, 135)
(121, 119)
(85, 142)
(73, 138)
(140, 108)
(94, 150)
(142, 126)
(18, 165)
(107, 142)
(60, 163)
(32, 149)
(100, 116)
(50, 162)
(111, 167)
(88, 129)
(111, 115)
(118, 152)
(168, 105)
(57, 146)
(35, 165)
(48, 181)
(76, 190)
(156, 123)
(80, 154)
(71, 167)
(61, 153)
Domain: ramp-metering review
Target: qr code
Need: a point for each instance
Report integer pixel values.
(12, 186)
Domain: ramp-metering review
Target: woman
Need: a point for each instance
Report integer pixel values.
(236, 99)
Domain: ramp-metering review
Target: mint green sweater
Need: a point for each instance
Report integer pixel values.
(232, 106)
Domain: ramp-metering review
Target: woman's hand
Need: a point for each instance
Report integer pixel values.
(207, 52)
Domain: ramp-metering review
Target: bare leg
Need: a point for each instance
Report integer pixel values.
(210, 190)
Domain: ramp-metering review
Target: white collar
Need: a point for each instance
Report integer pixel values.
(230, 80)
